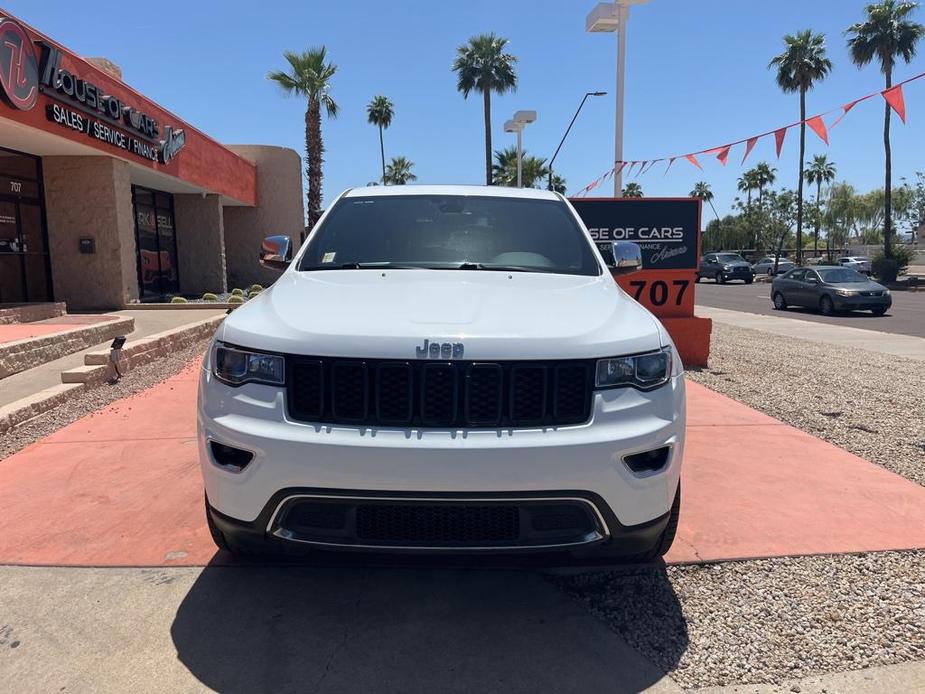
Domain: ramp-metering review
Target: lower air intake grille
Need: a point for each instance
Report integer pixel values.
(437, 524)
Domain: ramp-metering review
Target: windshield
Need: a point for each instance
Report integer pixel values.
(450, 232)
(729, 258)
(838, 275)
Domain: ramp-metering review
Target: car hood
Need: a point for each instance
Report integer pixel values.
(869, 286)
(736, 263)
(496, 315)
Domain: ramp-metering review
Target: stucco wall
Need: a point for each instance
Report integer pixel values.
(200, 243)
(279, 210)
(91, 197)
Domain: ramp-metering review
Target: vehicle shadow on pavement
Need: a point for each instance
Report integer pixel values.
(287, 628)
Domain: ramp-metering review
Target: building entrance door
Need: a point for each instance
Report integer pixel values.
(156, 240)
(24, 266)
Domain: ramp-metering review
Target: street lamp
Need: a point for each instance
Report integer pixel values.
(516, 125)
(613, 17)
(568, 129)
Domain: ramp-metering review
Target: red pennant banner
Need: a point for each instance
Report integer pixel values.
(817, 125)
(894, 97)
(779, 136)
(693, 160)
(844, 112)
(749, 146)
(723, 154)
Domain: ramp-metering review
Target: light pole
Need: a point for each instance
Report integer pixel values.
(567, 130)
(516, 125)
(613, 17)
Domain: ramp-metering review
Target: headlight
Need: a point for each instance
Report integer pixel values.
(236, 366)
(846, 292)
(727, 267)
(886, 292)
(643, 371)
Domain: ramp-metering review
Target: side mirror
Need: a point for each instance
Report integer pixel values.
(276, 252)
(621, 257)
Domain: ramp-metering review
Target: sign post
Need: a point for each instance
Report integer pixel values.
(668, 232)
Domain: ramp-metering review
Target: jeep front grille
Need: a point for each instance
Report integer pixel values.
(439, 394)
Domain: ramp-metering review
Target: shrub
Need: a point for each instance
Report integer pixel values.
(237, 292)
(885, 269)
(178, 300)
(209, 296)
(253, 292)
(235, 299)
(255, 288)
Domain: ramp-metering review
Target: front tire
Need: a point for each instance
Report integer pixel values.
(660, 549)
(749, 280)
(720, 278)
(780, 303)
(826, 306)
(879, 311)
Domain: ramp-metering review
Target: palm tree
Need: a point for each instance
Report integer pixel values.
(819, 171)
(886, 34)
(764, 175)
(702, 190)
(747, 182)
(398, 172)
(379, 112)
(558, 184)
(533, 169)
(310, 78)
(482, 65)
(632, 190)
(799, 67)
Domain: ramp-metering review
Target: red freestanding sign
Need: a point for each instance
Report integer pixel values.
(668, 232)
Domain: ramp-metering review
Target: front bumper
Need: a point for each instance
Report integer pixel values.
(580, 461)
(861, 303)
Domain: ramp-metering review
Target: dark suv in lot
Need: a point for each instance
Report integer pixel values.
(723, 267)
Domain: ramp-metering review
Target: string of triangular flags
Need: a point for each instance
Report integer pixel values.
(893, 96)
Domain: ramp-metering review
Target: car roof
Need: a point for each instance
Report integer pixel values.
(485, 191)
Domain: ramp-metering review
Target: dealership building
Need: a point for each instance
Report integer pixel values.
(107, 198)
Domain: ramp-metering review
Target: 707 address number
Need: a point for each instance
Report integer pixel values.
(659, 291)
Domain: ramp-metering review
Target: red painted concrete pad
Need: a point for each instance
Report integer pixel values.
(121, 488)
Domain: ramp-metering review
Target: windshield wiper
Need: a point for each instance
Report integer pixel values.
(366, 266)
(497, 267)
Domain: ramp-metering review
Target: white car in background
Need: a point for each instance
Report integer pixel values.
(765, 266)
(859, 263)
(445, 369)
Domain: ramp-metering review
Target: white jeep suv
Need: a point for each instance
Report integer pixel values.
(444, 369)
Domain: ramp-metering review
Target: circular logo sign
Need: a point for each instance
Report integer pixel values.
(19, 72)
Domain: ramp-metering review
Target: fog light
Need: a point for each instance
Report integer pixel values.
(649, 461)
(230, 456)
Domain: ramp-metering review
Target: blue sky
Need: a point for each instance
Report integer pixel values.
(696, 77)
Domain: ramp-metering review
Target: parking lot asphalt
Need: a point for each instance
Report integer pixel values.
(122, 487)
(906, 317)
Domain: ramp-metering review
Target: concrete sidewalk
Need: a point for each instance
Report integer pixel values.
(147, 322)
(296, 629)
(871, 340)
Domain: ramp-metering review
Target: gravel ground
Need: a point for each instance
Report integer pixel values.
(97, 398)
(868, 403)
(765, 621)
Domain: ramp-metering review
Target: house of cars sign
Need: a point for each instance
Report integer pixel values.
(78, 103)
(668, 232)
(88, 109)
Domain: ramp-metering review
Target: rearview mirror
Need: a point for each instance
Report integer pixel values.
(276, 252)
(621, 257)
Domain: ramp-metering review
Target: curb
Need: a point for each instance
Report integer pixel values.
(29, 352)
(29, 313)
(96, 371)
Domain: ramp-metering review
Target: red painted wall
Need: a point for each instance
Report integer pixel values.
(202, 161)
